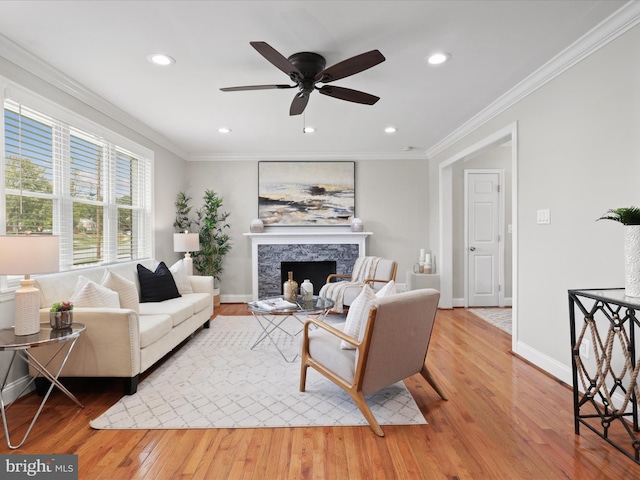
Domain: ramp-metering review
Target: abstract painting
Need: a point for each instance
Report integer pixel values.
(306, 193)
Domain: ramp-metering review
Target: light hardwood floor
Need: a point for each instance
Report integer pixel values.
(504, 420)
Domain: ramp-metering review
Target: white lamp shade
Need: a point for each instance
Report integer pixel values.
(26, 255)
(186, 242)
(29, 254)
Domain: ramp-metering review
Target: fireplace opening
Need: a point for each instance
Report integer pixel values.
(316, 272)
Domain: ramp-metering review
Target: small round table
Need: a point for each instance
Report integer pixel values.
(270, 314)
(9, 341)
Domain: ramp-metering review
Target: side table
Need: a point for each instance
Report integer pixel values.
(604, 325)
(20, 346)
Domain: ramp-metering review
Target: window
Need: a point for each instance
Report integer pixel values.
(67, 181)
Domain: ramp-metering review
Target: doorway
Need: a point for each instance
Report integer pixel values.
(508, 137)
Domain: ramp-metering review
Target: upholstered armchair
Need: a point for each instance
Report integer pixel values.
(391, 346)
(343, 289)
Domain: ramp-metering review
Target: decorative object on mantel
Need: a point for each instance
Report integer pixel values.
(630, 218)
(256, 226)
(26, 255)
(306, 193)
(290, 289)
(356, 225)
(61, 315)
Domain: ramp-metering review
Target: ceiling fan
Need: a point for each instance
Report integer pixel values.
(307, 69)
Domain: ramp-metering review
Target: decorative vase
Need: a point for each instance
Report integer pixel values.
(306, 290)
(632, 260)
(256, 226)
(290, 289)
(60, 320)
(356, 225)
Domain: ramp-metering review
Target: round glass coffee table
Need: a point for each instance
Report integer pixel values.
(271, 313)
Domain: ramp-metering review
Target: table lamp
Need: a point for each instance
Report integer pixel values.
(187, 242)
(26, 255)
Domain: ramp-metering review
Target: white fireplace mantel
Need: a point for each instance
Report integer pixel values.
(300, 237)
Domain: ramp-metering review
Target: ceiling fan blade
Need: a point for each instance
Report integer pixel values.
(276, 58)
(256, 87)
(349, 95)
(350, 66)
(299, 104)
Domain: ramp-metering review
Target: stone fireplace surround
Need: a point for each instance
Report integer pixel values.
(284, 244)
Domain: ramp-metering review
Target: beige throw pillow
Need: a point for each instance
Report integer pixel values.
(387, 289)
(93, 295)
(179, 273)
(126, 290)
(357, 316)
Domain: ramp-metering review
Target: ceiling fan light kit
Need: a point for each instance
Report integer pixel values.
(307, 69)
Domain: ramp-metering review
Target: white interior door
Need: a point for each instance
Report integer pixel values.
(483, 238)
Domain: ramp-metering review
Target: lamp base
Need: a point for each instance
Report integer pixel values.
(188, 263)
(27, 308)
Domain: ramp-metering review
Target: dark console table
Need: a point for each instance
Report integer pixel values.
(604, 324)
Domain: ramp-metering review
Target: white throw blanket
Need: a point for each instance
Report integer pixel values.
(363, 268)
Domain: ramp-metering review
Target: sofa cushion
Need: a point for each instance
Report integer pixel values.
(200, 301)
(177, 309)
(153, 328)
(127, 292)
(179, 271)
(89, 294)
(156, 286)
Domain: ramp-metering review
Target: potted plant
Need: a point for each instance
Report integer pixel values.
(630, 218)
(61, 315)
(215, 243)
(183, 209)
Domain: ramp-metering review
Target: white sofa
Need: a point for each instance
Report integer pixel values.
(120, 342)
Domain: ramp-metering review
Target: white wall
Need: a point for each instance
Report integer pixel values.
(578, 155)
(391, 199)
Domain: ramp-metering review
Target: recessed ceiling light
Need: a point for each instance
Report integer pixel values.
(308, 129)
(390, 130)
(438, 58)
(224, 130)
(161, 59)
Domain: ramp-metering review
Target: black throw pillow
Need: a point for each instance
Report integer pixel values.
(156, 286)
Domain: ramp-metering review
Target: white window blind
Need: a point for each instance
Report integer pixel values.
(67, 181)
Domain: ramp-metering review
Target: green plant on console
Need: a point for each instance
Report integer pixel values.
(214, 242)
(624, 215)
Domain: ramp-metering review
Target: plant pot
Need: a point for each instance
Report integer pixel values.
(60, 320)
(632, 260)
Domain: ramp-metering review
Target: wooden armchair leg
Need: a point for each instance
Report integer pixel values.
(303, 376)
(426, 374)
(361, 403)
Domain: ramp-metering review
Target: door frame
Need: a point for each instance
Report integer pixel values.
(501, 220)
(445, 217)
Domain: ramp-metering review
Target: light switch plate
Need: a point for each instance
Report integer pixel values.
(544, 217)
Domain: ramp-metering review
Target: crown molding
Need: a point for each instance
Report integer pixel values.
(307, 156)
(34, 65)
(606, 31)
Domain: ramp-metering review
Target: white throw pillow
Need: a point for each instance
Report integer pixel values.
(179, 272)
(126, 290)
(357, 316)
(96, 296)
(387, 289)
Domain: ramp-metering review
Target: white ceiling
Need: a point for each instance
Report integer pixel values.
(103, 46)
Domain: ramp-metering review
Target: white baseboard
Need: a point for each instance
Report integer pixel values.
(550, 365)
(13, 389)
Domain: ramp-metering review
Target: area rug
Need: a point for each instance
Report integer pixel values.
(216, 381)
(500, 317)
